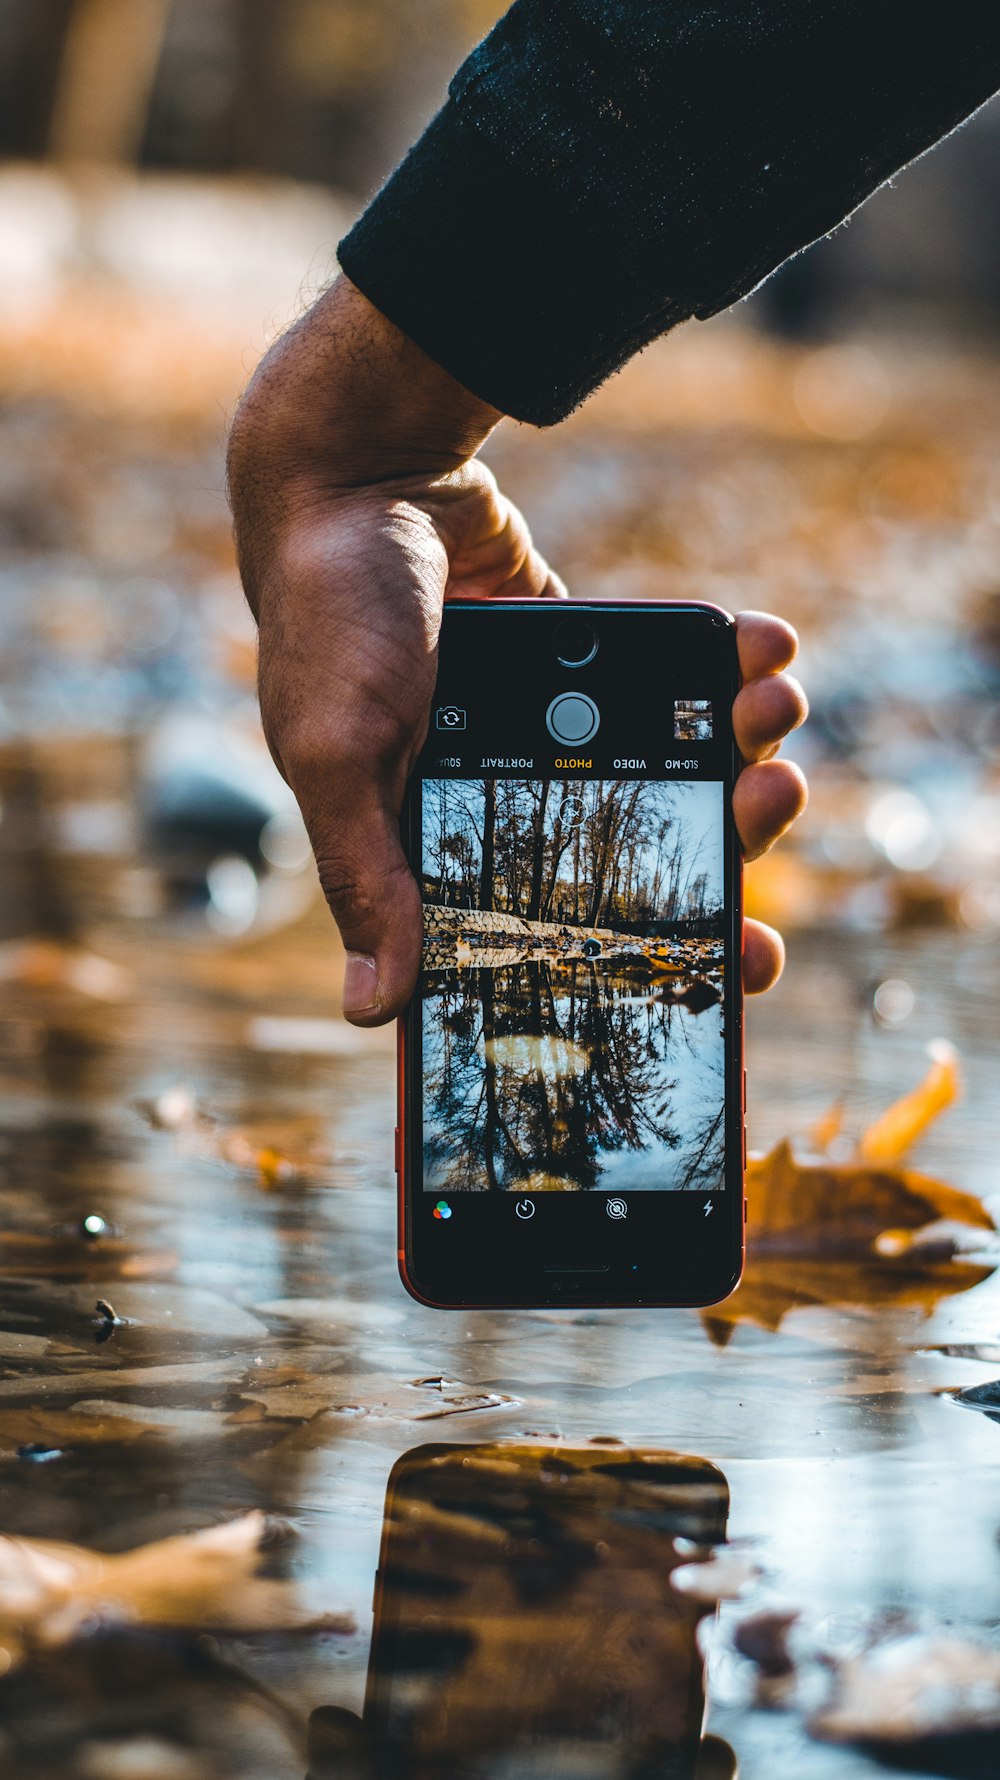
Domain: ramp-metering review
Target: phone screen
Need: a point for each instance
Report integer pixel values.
(526, 1622)
(572, 1053)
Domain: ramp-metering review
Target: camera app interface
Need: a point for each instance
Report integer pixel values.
(572, 984)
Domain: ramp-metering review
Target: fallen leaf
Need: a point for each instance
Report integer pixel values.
(272, 1168)
(763, 1638)
(895, 1132)
(277, 1151)
(774, 1286)
(847, 1233)
(909, 1690)
(827, 1128)
(197, 1581)
(723, 1576)
(42, 964)
(842, 1208)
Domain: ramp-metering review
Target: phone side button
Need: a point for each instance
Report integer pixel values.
(395, 1149)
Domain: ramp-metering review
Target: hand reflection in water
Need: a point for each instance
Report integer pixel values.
(525, 1621)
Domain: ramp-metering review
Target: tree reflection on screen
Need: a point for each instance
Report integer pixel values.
(538, 1076)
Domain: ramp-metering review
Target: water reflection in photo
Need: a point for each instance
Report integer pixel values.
(545, 1077)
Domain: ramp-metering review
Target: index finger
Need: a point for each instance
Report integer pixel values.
(766, 644)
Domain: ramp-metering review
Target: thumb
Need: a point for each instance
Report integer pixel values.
(375, 902)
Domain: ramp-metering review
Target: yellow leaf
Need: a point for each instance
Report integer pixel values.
(842, 1232)
(832, 1209)
(197, 1581)
(828, 1128)
(897, 1130)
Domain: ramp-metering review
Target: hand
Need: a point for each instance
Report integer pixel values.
(359, 508)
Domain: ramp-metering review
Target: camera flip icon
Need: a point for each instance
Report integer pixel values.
(450, 717)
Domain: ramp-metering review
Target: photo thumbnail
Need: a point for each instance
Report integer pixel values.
(692, 720)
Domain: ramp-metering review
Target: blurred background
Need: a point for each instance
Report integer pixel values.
(176, 175)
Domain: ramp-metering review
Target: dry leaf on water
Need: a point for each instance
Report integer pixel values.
(205, 1581)
(278, 1152)
(826, 1232)
(43, 964)
(723, 1576)
(911, 1690)
(897, 1130)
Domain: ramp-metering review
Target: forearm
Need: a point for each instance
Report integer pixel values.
(605, 169)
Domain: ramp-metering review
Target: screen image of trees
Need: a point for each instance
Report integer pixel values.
(579, 1045)
(618, 853)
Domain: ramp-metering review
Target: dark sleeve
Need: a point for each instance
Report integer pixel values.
(604, 169)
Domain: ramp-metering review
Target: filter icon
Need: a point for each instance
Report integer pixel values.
(442, 1209)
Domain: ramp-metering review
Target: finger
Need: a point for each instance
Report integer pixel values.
(766, 801)
(763, 957)
(375, 902)
(765, 711)
(765, 644)
(530, 576)
(494, 557)
(533, 580)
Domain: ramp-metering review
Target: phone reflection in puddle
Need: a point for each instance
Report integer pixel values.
(526, 1626)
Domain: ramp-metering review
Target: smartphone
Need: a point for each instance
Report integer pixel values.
(571, 1065)
(525, 1618)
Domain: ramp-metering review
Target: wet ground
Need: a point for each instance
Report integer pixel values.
(235, 1142)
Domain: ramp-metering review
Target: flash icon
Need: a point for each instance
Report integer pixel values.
(708, 1208)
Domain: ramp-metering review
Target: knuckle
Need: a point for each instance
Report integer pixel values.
(349, 893)
(357, 897)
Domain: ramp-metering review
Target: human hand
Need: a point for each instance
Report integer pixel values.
(359, 508)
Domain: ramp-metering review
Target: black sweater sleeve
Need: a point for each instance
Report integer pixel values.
(604, 169)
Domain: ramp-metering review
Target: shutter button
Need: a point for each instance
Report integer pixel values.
(572, 717)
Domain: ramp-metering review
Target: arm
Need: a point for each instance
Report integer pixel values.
(604, 169)
(359, 505)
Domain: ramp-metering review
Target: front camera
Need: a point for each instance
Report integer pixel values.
(576, 643)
